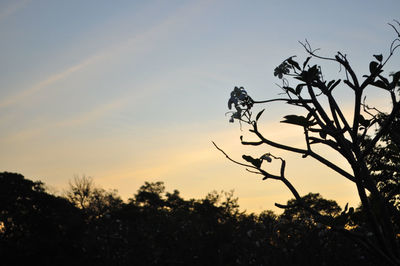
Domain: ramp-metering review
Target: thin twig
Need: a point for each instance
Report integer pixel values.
(229, 158)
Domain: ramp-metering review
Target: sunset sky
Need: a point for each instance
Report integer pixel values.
(135, 91)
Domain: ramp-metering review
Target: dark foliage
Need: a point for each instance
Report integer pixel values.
(36, 226)
(161, 228)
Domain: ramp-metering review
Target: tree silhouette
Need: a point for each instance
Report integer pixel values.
(80, 191)
(156, 227)
(314, 201)
(325, 124)
(36, 226)
(94, 201)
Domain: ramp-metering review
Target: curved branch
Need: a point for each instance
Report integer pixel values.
(335, 108)
(329, 143)
(337, 133)
(348, 68)
(282, 206)
(232, 160)
(398, 33)
(312, 52)
(289, 185)
(252, 143)
(305, 152)
(274, 144)
(319, 108)
(261, 171)
(273, 100)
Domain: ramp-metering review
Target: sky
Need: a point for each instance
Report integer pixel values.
(135, 91)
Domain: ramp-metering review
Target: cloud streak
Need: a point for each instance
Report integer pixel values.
(131, 98)
(138, 43)
(48, 81)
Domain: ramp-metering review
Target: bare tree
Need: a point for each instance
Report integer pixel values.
(80, 191)
(325, 124)
(94, 201)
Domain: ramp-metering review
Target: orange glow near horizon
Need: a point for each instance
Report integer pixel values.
(137, 91)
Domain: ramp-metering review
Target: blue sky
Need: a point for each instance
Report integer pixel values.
(134, 91)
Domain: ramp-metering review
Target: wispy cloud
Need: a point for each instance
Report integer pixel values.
(12, 8)
(93, 114)
(138, 43)
(131, 98)
(13, 99)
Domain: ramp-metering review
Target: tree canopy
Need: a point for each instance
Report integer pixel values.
(155, 227)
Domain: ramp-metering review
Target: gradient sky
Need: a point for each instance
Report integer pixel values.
(135, 91)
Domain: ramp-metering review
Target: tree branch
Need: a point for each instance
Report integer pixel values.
(264, 173)
(305, 152)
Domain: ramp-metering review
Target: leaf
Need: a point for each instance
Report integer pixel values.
(373, 66)
(282, 69)
(230, 102)
(363, 121)
(378, 57)
(330, 83)
(345, 209)
(335, 84)
(305, 62)
(293, 63)
(380, 84)
(396, 79)
(253, 161)
(298, 102)
(296, 120)
(300, 77)
(315, 141)
(312, 73)
(277, 73)
(266, 157)
(299, 87)
(289, 89)
(259, 114)
(385, 80)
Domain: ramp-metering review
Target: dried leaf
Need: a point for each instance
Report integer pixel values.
(259, 114)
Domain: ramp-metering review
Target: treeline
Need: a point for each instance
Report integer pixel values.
(92, 226)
